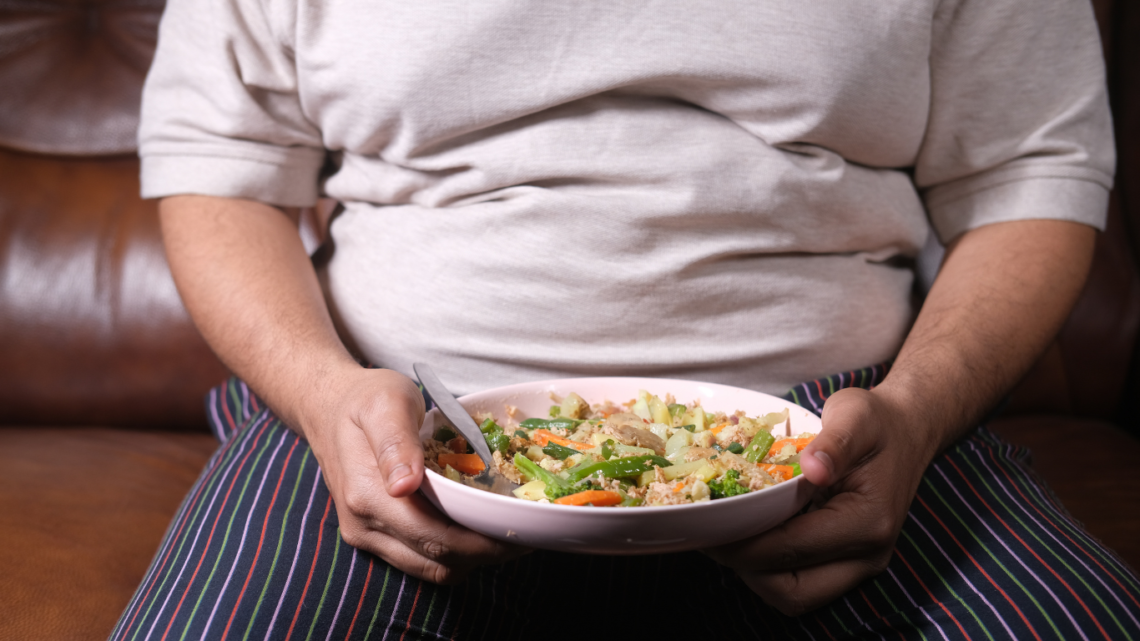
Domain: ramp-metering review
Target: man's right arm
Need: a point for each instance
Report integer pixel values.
(251, 289)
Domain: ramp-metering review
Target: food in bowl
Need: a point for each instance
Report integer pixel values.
(648, 451)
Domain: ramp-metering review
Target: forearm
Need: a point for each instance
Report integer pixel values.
(250, 287)
(1002, 294)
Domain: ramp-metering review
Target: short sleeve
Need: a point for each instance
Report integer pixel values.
(221, 113)
(1019, 121)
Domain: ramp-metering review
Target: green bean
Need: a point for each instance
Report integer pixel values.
(758, 448)
(618, 468)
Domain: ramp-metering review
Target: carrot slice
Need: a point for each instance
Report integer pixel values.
(598, 498)
(717, 430)
(458, 445)
(782, 472)
(542, 437)
(800, 444)
(466, 463)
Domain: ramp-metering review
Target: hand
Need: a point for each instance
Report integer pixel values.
(366, 439)
(867, 461)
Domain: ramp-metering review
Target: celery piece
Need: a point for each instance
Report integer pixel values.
(796, 471)
(682, 470)
(452, 473)
(531, 471)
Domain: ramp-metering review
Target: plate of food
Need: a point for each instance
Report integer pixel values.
(623, 465)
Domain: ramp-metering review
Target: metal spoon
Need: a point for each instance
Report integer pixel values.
(489, 479)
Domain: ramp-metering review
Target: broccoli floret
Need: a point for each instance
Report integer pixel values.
(727, 486)
(557, 492)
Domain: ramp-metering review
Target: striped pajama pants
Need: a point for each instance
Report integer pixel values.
(254, 552)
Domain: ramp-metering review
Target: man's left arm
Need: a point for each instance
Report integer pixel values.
(1002, 294)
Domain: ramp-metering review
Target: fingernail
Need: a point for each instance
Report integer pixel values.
(822, 457)
(400, 472)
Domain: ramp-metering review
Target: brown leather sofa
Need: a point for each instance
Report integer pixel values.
(102, 428)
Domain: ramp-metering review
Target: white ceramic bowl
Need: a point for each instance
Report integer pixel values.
(642, 530)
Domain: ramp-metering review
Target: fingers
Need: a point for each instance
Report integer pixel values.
(803, 590)
(414, 537)
(843, 528)
(391, 421)
(408, 532)
(849, 434)
(415, 563)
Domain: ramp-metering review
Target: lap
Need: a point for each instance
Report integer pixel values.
(255, 553)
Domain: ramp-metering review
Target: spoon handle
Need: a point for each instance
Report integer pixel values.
(454, 412)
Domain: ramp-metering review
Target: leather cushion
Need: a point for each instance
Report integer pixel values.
(72, 72)
(81, 514)
(92, 330)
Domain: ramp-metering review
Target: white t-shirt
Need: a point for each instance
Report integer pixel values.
(730, 191)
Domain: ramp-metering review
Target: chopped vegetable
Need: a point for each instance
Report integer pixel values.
(608, 449)
(619, 468)
(799, 443)
(557, 451)
(591, 497)
(573, 406)
(611, 453)
(452, 474)
(542, 437)
(781, 472)
(466, 463)
(556, 486)
(493, 434)
(727, 486)
(758, 448)
(532, 491)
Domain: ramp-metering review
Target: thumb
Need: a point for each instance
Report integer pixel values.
(849, 433)
(396, 412)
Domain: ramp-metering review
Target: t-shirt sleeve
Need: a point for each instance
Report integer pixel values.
(1019, 121)
(221, 114)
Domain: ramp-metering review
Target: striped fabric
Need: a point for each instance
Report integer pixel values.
(254, 552)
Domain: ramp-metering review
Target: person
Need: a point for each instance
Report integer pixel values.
(733, 192)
